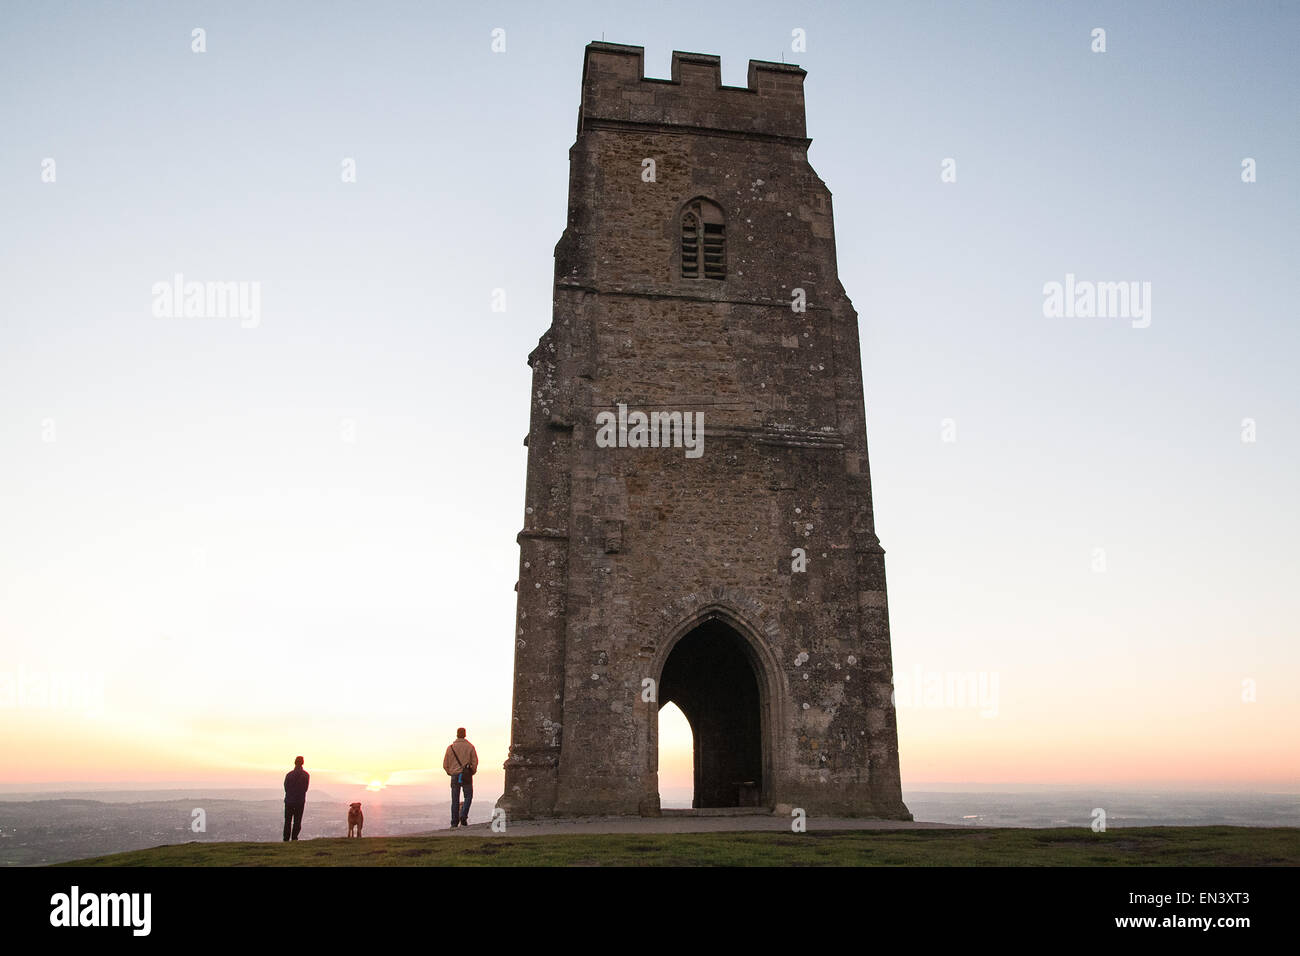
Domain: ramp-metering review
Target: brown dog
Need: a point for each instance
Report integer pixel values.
(355, 819)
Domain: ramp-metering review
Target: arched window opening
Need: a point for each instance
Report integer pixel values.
(704, 241)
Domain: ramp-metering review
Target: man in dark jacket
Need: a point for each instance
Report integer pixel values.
(295, 797)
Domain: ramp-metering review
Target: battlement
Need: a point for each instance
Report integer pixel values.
(615, 89)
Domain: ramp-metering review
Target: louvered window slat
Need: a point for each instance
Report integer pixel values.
(712, 237)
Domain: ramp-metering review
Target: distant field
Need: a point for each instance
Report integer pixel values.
(1076, 846)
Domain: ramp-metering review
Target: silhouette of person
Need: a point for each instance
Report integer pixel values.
(295, 797)
(462, 756)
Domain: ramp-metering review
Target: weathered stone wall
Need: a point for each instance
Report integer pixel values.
(622, 548)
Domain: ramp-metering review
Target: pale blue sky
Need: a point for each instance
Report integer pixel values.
(199, 532)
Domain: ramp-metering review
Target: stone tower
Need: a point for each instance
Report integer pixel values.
(731, 568)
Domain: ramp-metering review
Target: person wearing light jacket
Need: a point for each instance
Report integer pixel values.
(461, 763)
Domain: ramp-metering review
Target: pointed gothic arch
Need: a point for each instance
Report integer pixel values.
(703, 247)
(723, 677)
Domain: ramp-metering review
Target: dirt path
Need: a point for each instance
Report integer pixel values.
(688, 824)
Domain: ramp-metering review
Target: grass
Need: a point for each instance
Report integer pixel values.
(1077, 846)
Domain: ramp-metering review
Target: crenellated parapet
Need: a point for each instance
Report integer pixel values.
(615, 90)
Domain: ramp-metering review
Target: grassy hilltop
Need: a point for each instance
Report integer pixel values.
(1076, 846)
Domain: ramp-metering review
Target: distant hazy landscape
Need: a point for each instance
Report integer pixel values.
(38, 828)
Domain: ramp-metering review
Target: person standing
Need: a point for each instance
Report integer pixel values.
(295, 797)
(461, 763)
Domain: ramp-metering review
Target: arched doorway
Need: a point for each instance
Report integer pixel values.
(711, 675)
